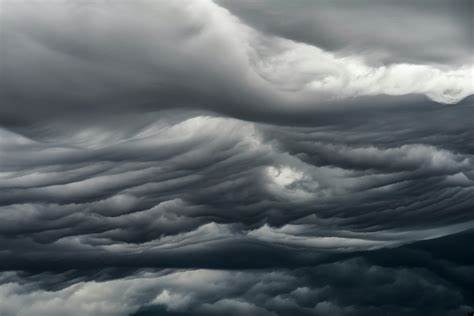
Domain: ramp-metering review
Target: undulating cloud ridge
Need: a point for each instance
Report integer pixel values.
(66, 58)
(236, 158)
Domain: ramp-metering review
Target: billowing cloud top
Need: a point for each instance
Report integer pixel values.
(236, 157)
(65, 58)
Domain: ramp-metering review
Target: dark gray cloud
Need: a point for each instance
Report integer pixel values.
(235, 158)
(174, 190)
(431, 277)
(421, 31)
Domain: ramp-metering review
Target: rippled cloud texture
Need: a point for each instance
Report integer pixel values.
(236, 158)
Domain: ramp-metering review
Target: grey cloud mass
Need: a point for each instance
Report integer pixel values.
(86, 59)
(236, 158)
(422, 31)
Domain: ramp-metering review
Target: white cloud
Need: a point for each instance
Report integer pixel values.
(320, 75)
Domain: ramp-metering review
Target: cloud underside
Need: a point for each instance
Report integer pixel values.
(172, 187)
(235, 158)
(421, 278)
(176, 194)
(71, 59)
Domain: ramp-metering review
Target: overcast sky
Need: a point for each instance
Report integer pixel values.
(251, 157)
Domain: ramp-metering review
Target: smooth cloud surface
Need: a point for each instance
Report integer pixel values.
(78, 58)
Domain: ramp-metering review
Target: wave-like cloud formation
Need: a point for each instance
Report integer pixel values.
(71, 58)
(206, 158)
(178, 187)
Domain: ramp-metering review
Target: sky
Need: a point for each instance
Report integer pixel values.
(247, 158)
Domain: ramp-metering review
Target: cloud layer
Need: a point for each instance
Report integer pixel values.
(418, 279)
(72, 59)
(237, 158)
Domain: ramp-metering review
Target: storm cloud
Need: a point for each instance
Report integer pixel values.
(236, 158)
